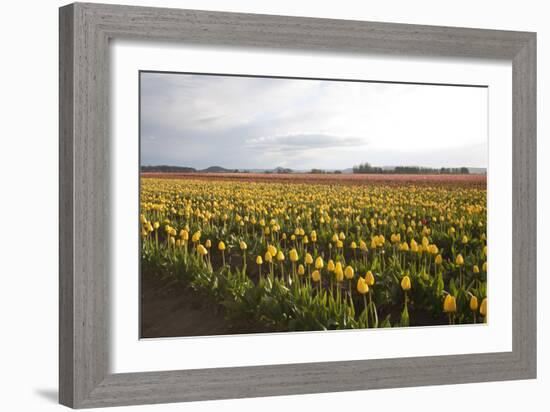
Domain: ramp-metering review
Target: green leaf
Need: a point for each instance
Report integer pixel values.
(405, 316)
(386, 323)
(452, 288)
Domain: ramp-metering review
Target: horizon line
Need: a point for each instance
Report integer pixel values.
(309, 168)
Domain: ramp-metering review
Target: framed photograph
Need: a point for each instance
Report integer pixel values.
(257, 205)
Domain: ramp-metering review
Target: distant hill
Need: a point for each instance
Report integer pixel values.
(216, 169)
(167, 169)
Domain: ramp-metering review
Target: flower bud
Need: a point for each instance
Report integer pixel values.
(316, 276)
(406, 283)
(362, 286)
(483, 307)
(319, 263)
(449, 304)
(369, 278)
(473, 303)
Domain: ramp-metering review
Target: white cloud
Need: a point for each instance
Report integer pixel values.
(244, 122)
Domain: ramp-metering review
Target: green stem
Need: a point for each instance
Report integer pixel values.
(366, 314)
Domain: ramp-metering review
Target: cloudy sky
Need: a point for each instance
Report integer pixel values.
(248, 123)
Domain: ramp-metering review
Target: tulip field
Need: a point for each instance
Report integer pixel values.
(320, 254)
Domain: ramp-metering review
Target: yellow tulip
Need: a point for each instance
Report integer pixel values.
(308, 259)
(196, 236)
(301, 270)
(459, 260)
(280, 256)
(406, 283)
(268, 258)
(330, 266)
(243, 245)
(208, 244)
(316, 276)
(438, 260)
(349, 272)
(202, 250)
(475, 269)
(221, 246)
(449, 304)
(259, 260)
(272, 250)
(373, 243)
(473, 303)
(369, 278)
(483, 307)
(293, 255)
(362, 286)
(319, 263)
(339, 272)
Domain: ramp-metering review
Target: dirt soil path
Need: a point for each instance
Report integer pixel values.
(170, 309)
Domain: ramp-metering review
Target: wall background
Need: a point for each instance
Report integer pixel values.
(29, 193)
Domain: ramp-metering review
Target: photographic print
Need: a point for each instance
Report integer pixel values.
(272, 204)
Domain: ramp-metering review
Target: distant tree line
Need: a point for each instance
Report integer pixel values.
(279, 170)
(167, 169)
(367, 168)
(324, 172)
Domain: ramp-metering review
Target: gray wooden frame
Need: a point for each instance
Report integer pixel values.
(85, 31)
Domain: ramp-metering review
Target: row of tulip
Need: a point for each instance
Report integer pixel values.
(442, 276)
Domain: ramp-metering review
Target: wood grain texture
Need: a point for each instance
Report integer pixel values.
(66, 107)
(85, 31)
